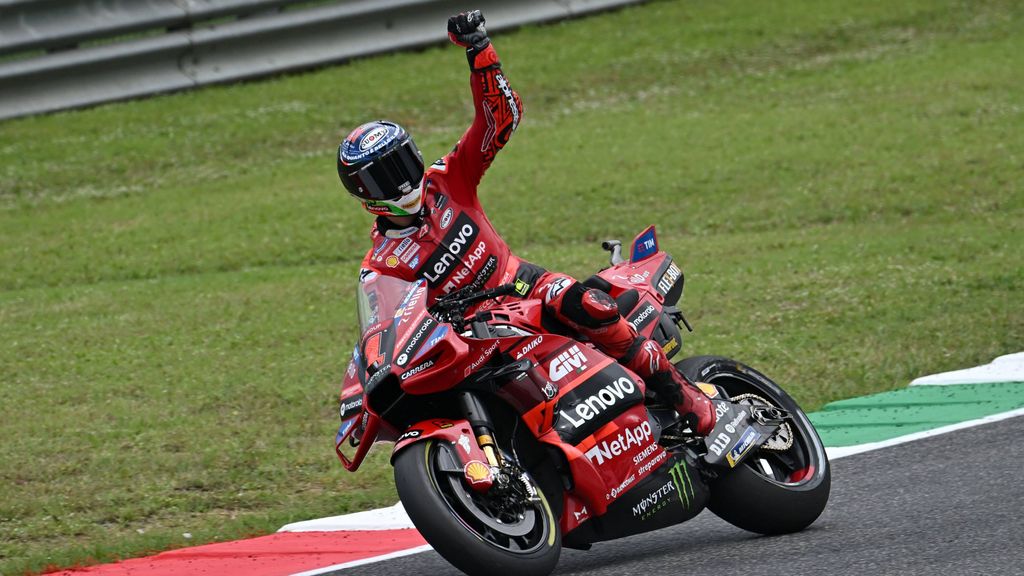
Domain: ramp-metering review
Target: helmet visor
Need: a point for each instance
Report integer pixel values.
(388, 177)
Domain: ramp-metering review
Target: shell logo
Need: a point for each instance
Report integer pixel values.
(477, 472)
(709, 390)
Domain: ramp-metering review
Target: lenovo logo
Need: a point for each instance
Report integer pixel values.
(602, 400)
(452, 249)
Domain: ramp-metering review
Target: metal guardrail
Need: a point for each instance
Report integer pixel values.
(50, 24)
(261, 44)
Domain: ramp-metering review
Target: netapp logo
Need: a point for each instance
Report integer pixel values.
(634, 437)
(453, 246)
(597, 403)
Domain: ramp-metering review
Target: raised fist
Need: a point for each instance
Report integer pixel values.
(467, 30)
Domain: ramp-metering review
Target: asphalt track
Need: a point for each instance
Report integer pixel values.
(950, 505)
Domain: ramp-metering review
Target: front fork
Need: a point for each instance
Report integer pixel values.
(477, 416)
(476, 413)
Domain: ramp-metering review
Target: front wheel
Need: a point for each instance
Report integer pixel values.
(782, 487)
(505, 531)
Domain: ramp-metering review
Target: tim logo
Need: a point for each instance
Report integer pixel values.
(567, 362)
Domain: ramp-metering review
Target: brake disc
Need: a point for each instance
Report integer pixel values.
(782, 439)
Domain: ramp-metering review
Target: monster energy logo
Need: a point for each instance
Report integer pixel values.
(684, 485)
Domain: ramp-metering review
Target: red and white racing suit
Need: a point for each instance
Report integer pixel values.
(453, 244)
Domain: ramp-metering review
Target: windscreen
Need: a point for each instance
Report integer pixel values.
(377, 298)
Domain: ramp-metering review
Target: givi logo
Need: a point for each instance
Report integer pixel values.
(566, 362)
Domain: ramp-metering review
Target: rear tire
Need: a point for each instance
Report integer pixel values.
(770, 492)
(452, 524)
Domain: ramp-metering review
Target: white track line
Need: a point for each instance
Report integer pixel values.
(354, 563)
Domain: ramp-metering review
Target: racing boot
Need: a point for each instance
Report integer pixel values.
(648, 360)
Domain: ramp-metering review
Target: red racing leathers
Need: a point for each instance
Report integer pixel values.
(453, 245)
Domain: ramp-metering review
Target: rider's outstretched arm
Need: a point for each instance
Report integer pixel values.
(498, 107)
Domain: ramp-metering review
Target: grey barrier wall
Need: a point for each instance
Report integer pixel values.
(269, 36)
(28, 24)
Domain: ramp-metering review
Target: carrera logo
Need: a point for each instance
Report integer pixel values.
(446, 218)
(600, 402)
(414, 371)
(633, 438)
(526, 349)
(372, 138)
(566, 362)
(643, 318)
(454, 244)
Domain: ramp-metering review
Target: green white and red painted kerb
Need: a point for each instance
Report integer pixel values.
(932, 405)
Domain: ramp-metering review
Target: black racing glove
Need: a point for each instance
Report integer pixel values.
(467, 30)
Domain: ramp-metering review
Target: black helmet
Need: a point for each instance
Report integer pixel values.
(380, 164)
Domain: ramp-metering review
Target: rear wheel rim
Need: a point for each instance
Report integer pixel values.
(791, 468)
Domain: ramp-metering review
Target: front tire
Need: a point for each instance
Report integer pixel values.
(461, 525)
(772, 491)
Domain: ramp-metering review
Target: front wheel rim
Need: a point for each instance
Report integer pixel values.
(524, 532)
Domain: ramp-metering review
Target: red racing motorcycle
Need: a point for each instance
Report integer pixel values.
(513, 437)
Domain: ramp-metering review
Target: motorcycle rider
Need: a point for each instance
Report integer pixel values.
(430, 224)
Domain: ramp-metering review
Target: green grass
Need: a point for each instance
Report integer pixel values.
(842, 183)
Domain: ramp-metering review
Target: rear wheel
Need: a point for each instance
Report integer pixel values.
(782, 487)
(509, 530)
